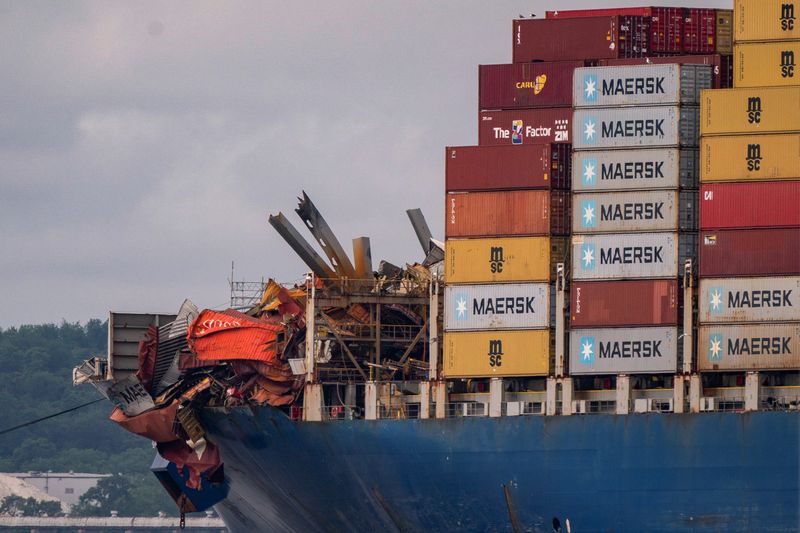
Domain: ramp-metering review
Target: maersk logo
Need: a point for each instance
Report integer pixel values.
(715, 300)
(590, 130)
(590, 87)
(588, 256)
(648, 127)
(587, 350)
(589, 214)
(589, 173)
(461, 308)
(715, 341)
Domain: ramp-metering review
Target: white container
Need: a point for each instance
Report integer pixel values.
(497, 306)
(623, 212)
(643, 85)
(630, 255)
(727, 300)
(631, 170)
(748, 347)
(623, 351)
(631, 127)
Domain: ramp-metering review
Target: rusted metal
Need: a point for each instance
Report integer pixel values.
(362, 255)
(516, 527)
(319, 228)
(329, 322)
(301, 247)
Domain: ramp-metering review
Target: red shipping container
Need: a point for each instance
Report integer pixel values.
(700, 31)
(565, 39)
(666, 33)
(507, 213)
(721, 76)
(582, 13)
(750, 205)
(488, 168)
(634, 36)
(751, 252)
(652, 302)
(524, 126)
(525, 85)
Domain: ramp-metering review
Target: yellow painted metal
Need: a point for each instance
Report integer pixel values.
(766, 20)
(750, 158)
(496, 353)
(750, 110)
(497, 260)
(766, 64)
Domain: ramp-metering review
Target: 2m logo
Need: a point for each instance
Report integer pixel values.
(496, 260)
(787, 17)
(753, 157)
(787, 64)
(495, 353)
(754, 110)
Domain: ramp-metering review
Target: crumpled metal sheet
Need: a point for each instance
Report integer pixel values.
(156, 424)
(227, 335)
(202, 458)
(148, 351)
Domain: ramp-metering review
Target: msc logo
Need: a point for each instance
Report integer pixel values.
(754, 110)
(496, 260)
(588, 256)
(495, 353)
(715, 348)
(587, 351)
(589, 172)
(715, 300)
(754, 157)
(590, 87)
(589, 130)
(787, 64)
(787, 17)
(537, 85)
(589, 214)
(516, 132)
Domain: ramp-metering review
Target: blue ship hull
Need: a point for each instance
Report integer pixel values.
(709, 472)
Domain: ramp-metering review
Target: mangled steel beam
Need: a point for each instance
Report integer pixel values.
(420, 228)
(325, 237)
(362, 254)
(301, 247)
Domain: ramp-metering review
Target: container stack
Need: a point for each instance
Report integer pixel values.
(634, 220)
(749, 257)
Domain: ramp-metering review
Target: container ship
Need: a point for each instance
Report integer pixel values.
(606, 340)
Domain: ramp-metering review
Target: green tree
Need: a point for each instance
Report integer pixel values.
(17, 505)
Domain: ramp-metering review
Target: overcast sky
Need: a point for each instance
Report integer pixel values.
(144, 144)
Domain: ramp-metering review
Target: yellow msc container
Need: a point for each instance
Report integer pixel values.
(766, 64)
(496, 353)
(750, 110)
(765, 20)
(497, 260)
(750, 158)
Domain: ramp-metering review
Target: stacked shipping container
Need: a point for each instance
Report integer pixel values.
(634, 213)
(749, 216)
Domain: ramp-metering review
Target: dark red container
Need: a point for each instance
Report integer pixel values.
(525, 126)
(768, 204)
(497, 168)
(666, 33)
(700, 31)
(569, 39)
(624, 303)
(634, 36)
(722, 70)
(751, 252)
(507, 213)
(582, 13)
(526, 85)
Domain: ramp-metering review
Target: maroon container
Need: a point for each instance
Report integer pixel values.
(751, 252)
(525, 126)
(506, 213)
(700, 31)
(722, 70)
(666, 32)
(525, 85)
(652, 302)
(568, 39)
(582, 13)
(766, 204)
(634, 36)
(497, 168)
